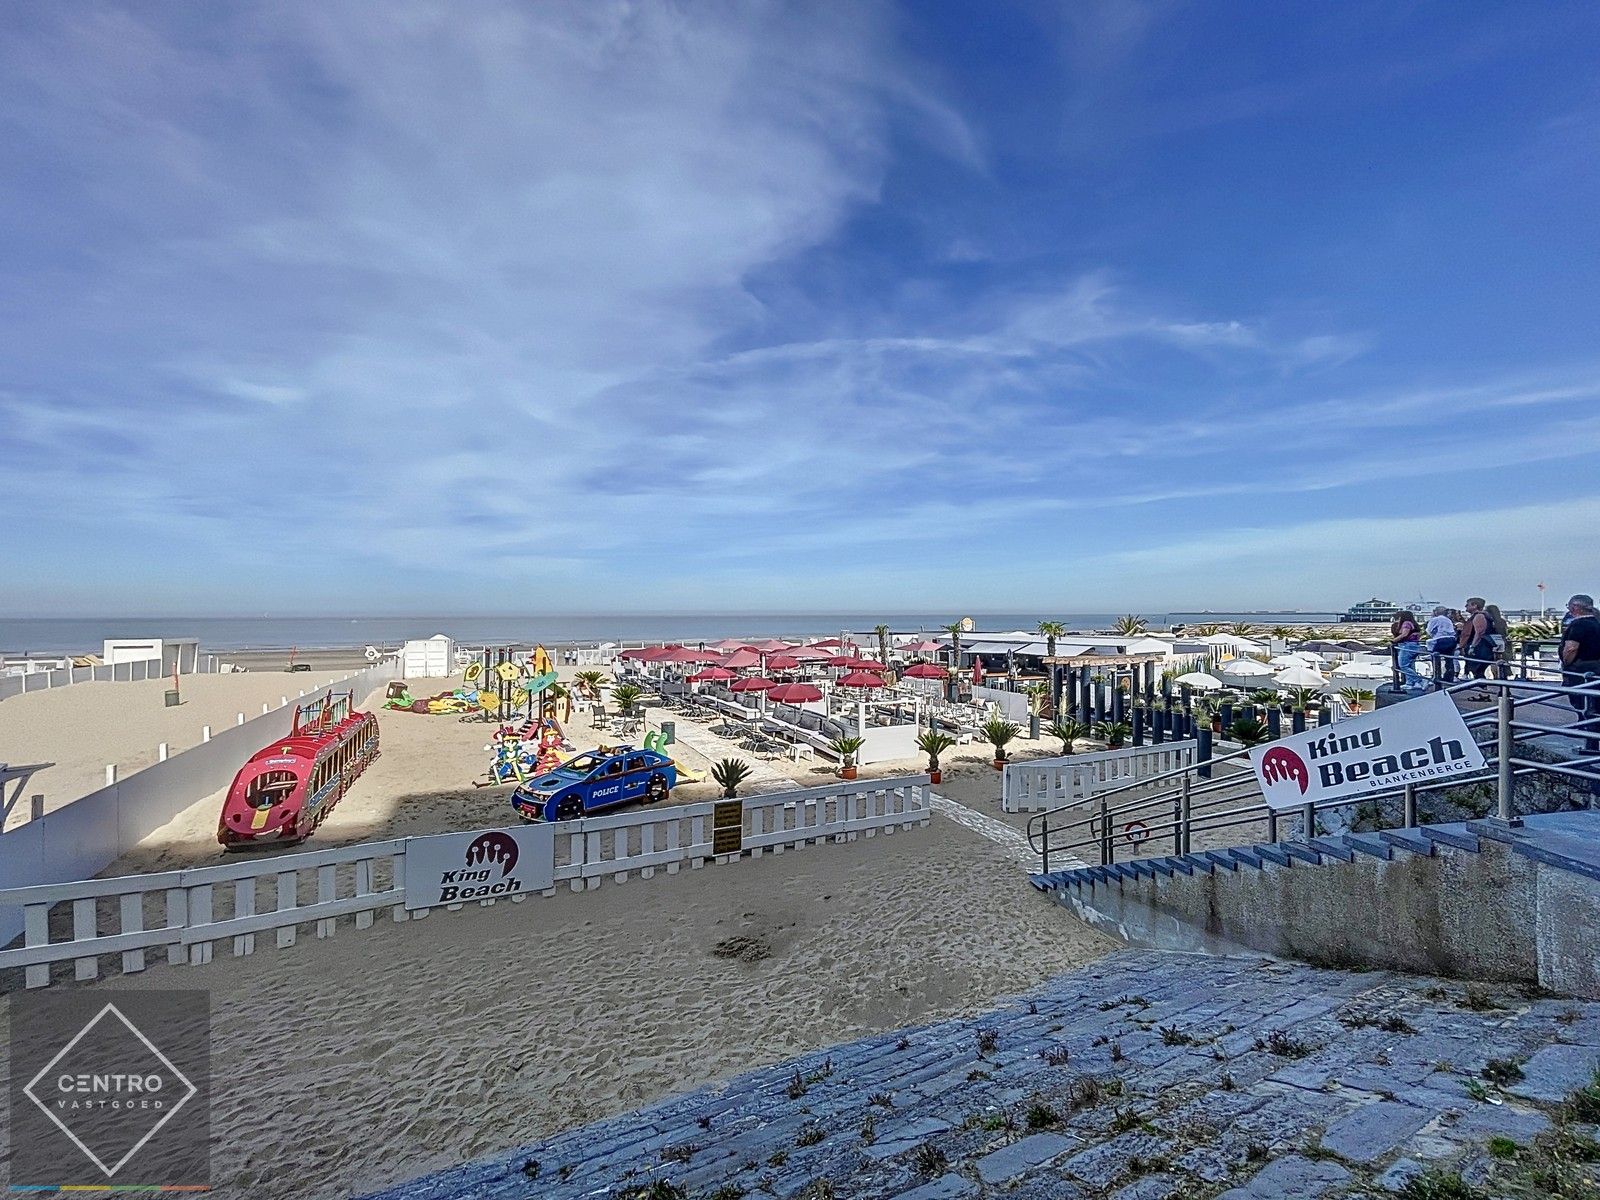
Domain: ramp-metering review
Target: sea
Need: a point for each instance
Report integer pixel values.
(85, 635)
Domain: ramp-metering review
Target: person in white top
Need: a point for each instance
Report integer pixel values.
(1442, 640)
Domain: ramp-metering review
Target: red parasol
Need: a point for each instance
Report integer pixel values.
(794, 693)
(740, 659)
(922, 647)
(826, 642)
(844, 660)
(926, 671)
(729, 644)
(644, 653)
(977, 670)
(753, 684)
(782, 662)
(711, 675)
(680, 654)
(769, 645)
(808, 654)
(862, 679)
(867, 664)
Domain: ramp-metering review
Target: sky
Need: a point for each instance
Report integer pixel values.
(661, 307)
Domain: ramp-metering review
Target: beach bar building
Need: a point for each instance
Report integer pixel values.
(175, 654)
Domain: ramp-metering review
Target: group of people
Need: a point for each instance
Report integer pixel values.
(1477, 637)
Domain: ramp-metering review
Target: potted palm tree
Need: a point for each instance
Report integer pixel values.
(626, 695)
(1037, 694)
(1248, 731)
(1128, 626)
(729, 774)
(846, 748)
(588, 683)
(999, 732)
(1354, 698)
(933, 743)
(1069, 731)
(1113, 733)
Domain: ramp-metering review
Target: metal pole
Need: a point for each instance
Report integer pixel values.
(1272, 825)
(1106, 847)
(1183, 800)
(1177, 818)
(1506, 783)
(1410, 820)
(1308, 817)
(1044, 845)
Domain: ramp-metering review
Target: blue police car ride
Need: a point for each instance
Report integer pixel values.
(595, 780)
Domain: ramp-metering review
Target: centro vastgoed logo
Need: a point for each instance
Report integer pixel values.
(484, 853)
(138, 1102)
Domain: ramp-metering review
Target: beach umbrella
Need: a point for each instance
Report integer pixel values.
(782, 662)
(827, 642)
(794, 693)
(769, 645)
(752, 683)
(1199, 681)
(1244, 668)
(711, 675)
(844, 660)
(727, 644)
(808, 654)
(926, 671)
(680, 654)
(644, 653)
(867, 664)
(741, 659)
(922, 647)
(862, 679)
(1362, 670)
(1299, 677)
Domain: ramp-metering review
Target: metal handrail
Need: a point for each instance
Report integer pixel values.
(1187, 820)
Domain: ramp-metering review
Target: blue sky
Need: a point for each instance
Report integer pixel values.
(731, 307)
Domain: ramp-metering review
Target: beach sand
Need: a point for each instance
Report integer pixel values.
(83, 727)
(421, 1044)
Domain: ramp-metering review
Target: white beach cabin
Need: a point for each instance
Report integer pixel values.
(428, 658)
(176, 654)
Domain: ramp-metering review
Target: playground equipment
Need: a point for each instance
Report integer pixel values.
(657, 741)
(288, 787)
(595, 780)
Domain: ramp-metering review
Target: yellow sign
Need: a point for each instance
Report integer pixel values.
(541, 660)
(472, 672)
(508, 672)
(727, 827)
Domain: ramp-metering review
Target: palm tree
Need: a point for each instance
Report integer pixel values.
(1206, 630)
(883, 643)
(730, 773)
(1129, 625)
(1284, 632)
(934, 742)
(1266, 697)
(1244, 629)
(1037, 694)
(1051, 631)
(1113, 733)
(1300, 699)
(998, 732)
(588, 683)
(625, 695)
(1354, 697)
(1069, 731)
(846, 748)
(1248, 731)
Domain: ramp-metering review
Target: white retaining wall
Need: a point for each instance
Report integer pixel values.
(185, 914)
(80, 839)
(1043, 783)
(123, 672)
(1013, 705)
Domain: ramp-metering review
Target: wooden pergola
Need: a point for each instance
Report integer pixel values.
(1072, 674)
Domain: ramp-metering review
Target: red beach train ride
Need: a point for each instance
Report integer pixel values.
(282, 794)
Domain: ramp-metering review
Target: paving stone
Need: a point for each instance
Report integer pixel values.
(1030, 1152)
(1151, 1187)
(1101, 1166)
(946, 1187)
(901, 1136)
(1400, 1174)
(1294, 1176)
(1369, 1132)
(1556, 1072)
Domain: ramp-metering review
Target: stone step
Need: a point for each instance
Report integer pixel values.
(1408, 839)
(1368, 844)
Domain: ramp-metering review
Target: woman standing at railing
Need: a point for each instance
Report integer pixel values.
(1407, 642)
(1477, 644)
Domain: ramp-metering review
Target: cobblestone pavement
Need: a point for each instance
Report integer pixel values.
(1014, 843)
(1143, 1077)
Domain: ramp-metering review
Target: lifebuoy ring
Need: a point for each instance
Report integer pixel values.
(1137, 832)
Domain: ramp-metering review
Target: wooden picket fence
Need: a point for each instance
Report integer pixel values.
(1036, 784)
(185, 914)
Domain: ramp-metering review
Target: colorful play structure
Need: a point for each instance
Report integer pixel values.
(288, 787)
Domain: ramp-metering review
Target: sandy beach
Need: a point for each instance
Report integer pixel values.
(84, 727)
(424, 1043)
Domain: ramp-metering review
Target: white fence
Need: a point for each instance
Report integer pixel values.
(1042, 783)
(1013, 706)
(86, 836)
(123, 672)
(185, 914)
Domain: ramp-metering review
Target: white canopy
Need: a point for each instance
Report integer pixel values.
(1362, 670)
(1198, 680)
(1244, 668)
(1299, 677)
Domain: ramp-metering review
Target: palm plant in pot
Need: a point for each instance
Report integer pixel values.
(1354, 698)
(1248, 731)
(999, 732)
(1069, 731)
(729, 773)
(1113, 733)
(933, 743)
(626, 695)
(846, 748)
(588, 683)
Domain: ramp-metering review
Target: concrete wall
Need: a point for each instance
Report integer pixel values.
(1491, 915)
(81, 839)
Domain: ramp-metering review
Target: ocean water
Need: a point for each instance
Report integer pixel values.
(82, 635)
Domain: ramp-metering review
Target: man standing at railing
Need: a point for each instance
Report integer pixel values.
(1580, 664)
(1442, 640)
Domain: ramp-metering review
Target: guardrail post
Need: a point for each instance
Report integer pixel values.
(1187, 815)
(1506, 781)
(1272, 825)
(1308, 819)
(1044, 844)
(1409, 818)
(1106, 847)
(1177, 819)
